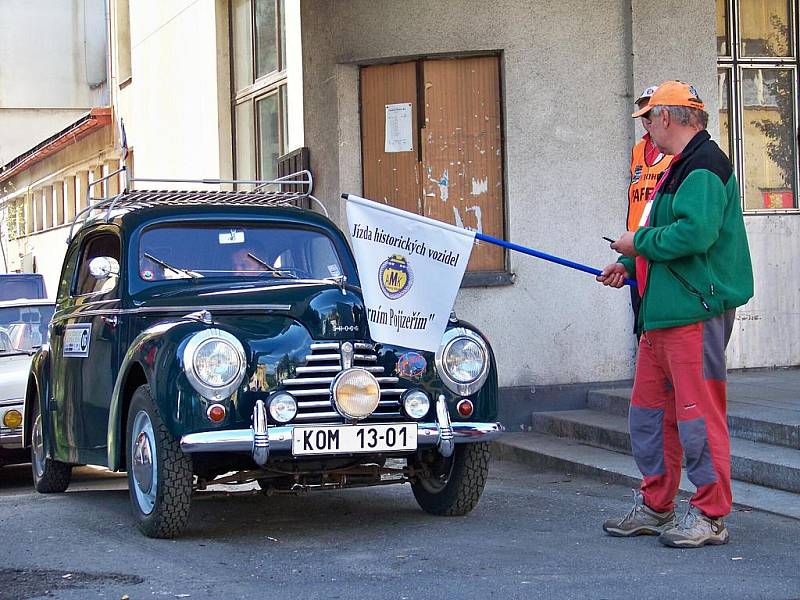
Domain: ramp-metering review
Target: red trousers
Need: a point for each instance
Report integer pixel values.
(679, 406)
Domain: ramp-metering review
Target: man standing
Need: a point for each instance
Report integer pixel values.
(648, 163)
(692, 264)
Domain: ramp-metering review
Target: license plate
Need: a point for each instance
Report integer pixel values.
(337, 439)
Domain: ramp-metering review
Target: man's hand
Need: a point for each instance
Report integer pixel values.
(613, 275)
(624, 245)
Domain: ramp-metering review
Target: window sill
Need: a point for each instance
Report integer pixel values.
(487, 279)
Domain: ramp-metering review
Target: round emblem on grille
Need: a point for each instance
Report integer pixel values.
(395, 276)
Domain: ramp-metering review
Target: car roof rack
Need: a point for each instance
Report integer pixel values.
(286, 194)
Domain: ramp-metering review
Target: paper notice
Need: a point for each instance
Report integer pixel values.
(398, 128)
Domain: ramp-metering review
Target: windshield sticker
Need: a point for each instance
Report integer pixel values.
(334, 270)
(232, 236)
(77, 339)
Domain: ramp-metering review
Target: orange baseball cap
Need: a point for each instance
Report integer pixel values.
(672, 93)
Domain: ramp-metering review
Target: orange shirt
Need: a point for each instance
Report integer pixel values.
(647, 165)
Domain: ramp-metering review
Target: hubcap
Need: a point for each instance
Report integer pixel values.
(37, 444)
(144, 470)
(143, 463)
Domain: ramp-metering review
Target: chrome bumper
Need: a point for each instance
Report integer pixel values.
(261, 440)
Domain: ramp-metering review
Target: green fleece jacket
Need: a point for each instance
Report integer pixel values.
(698, 260)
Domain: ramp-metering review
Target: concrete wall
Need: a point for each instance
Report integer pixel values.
(52, 68)
(176, 107)
(48, 246)
(570, 71)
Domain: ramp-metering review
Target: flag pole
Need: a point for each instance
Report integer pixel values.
(544, 256)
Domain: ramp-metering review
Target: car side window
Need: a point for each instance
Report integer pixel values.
(102, 245)
(67, 273)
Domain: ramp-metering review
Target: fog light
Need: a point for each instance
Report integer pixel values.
(465, 408)
(12, 419)
(416, 404)
(356, 393)
(216, 412)
(283, 407)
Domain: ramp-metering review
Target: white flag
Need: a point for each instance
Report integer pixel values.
(410, 269)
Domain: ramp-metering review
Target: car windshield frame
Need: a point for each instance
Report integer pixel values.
(242, 250)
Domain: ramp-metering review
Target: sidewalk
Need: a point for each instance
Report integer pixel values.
(763, 417)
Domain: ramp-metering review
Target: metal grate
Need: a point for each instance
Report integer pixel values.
(311, 385)
(295, 191)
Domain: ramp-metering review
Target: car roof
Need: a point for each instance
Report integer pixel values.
(26, 302)
(141, 206)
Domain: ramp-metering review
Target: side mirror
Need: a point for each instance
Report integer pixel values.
(103, 267)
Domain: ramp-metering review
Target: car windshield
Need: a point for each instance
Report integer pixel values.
(23, 328)
(192, 251)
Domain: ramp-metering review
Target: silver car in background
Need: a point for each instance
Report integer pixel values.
(23, 329)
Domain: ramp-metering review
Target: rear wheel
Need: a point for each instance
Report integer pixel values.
(159, 473)
(452, 486)
(49, 476)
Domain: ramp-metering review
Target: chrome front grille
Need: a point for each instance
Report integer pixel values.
(312, 382)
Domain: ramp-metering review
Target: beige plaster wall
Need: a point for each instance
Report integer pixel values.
(177, 117)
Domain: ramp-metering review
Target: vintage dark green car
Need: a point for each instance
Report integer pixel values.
(221, 337)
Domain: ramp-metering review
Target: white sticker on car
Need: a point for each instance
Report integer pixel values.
(232, 236)
(334, 270)
(77, 339)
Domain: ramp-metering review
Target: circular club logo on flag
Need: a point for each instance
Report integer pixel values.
(395, 277)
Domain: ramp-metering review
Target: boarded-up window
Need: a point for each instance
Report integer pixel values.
(453, 171)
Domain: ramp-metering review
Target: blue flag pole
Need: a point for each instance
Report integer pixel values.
(542, 255)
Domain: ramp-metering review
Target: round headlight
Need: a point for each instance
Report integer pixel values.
(283, 407)
(214, 363)
(416, 404)
(462, 361)
(356, 393)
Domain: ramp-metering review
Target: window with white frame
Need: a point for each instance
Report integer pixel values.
(757, 48)
(259, 84)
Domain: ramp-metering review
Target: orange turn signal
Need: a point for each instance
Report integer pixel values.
(465, 408)
(216, 412)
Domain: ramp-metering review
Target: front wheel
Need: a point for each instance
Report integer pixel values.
(49, 476)
(159, 473)
(451, 486)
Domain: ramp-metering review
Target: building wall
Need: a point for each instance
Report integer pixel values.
(34, 189)
(176, 107)
(52, 68)
(570, 73)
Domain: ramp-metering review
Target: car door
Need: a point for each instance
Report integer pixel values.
(86, 350)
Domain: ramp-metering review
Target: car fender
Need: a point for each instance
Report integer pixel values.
(39, 380)
(144, 353)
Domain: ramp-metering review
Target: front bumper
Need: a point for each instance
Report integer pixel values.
(10, 439)
(261, 440)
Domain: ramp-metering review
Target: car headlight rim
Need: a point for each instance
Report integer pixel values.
(453, 383)
(351, 408)
(200, 341)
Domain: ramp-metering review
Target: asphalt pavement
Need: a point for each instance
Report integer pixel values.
(535, 534)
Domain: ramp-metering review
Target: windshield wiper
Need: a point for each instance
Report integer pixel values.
(179, 271)
(270, 268)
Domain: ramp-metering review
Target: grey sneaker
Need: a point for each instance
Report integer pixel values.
(694, 530)
(640, 520)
